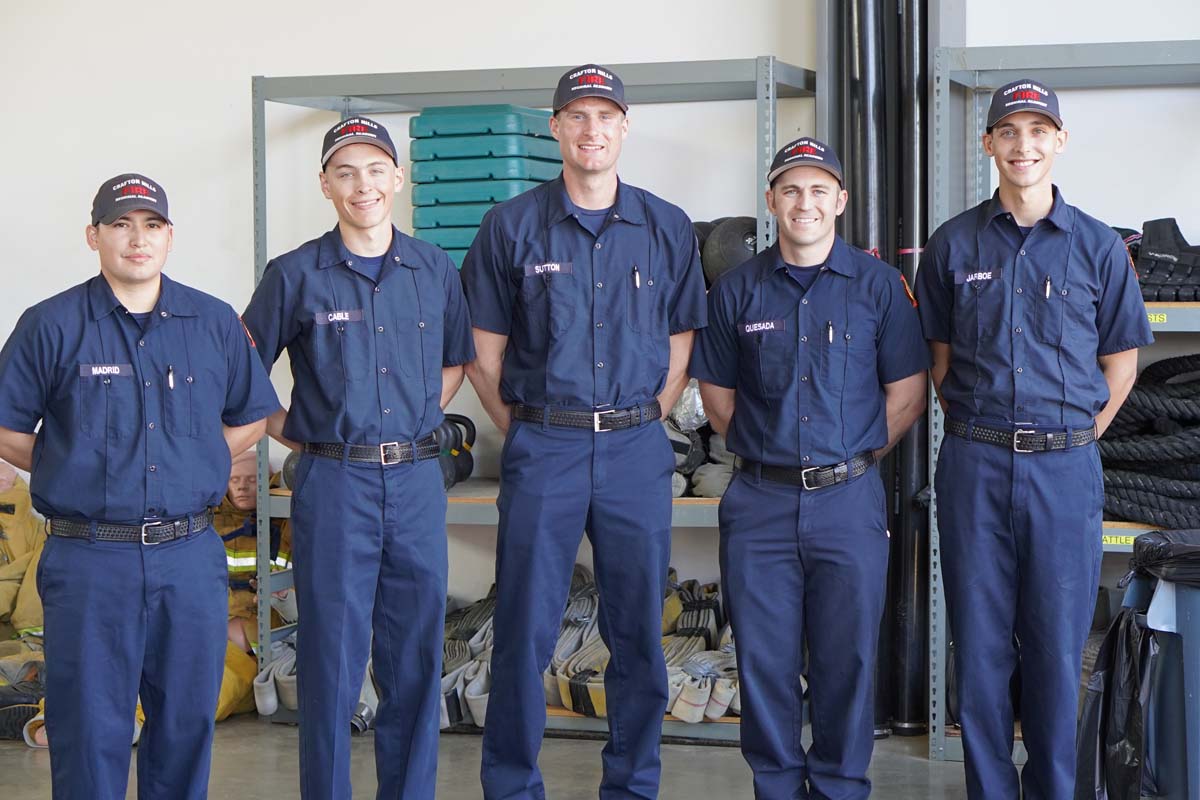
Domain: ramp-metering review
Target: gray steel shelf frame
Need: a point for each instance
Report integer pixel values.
(962, 81)
(764, 79)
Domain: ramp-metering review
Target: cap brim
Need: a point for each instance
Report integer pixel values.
(775, 173)
(1052, 117)
(328, 154)
(132, 205)
(591, 92)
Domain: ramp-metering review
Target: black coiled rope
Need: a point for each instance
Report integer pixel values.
(1151, 452)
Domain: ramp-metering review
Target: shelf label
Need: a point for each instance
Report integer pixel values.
(1157, 317)
(1118, 539)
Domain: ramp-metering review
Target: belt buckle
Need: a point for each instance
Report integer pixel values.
(383, 459)
(146, 525)
(804, 478)
(1017, 448)
(596, 415)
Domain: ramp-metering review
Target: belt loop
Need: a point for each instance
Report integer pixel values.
(545, 418)
(92, 531)
(641, 415)
(970, 429)
(346, 454)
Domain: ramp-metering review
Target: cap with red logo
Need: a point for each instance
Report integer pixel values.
(1023, 95)
(118, 196)
(357, 129)
(805, 152)
(589, 80)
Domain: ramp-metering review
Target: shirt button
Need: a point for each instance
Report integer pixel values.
(420, 324)
(597, 245)
(804, 338)
(395, 258)
(1018, 290)
(150, 426)
(383, 370)
(163, 314)
(804, 378)
(599, 284)
(378, 290)
(599, 324)
(387, 411)
(616, 216)
(188, 379)
(153, 468)
(1022, 253)
(804, 419)
(142, 343)
(804, 302)
(1020, 369)
(107, 381)
(349, 263)
(600, 364)
(1018, 330)
(150, 512)
(379, 329)
(147, 383)
(805, 459)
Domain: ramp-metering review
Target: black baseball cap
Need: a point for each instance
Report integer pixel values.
(589, 80)
(1025, 94)
(357, 129)
(128, 192)
(805, 152)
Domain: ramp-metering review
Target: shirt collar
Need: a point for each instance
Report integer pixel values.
(627, 208)
(1060, 213)
(331, 250)
(839, 260)
(171, 298)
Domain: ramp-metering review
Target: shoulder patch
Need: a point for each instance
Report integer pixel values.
(912, 298)
(247, 330)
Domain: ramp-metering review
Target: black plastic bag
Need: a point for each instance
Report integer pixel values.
(1169, 555)
(1112, 763)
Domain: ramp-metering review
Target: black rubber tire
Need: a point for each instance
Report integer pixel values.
(730, 244)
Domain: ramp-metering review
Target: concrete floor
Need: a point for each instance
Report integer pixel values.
(253, 760)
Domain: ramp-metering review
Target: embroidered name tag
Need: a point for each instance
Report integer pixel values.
(550, 268)
(747, 328)
(961, 277)
(98, 370)
(326, 317)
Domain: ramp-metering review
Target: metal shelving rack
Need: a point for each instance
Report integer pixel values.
(764, 79)
(962, 83)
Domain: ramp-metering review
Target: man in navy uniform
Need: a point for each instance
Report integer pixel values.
(584, 292)
(813, 367)
(1034, 317)
(377, 332)
(143, 388)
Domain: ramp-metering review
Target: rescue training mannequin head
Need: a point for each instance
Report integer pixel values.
(243, 481)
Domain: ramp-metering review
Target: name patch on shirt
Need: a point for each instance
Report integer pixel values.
(327, 317)
(105, 370)
(765, 326)
(977, 276)
(550, 268)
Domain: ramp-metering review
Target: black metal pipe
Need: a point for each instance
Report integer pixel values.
(909, 577)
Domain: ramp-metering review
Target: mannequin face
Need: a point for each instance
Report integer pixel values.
(243, 484)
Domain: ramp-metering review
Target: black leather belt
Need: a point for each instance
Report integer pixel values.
(155, 532)
(387, 453)
(812, 477)
(1021, 440)
(607, 420)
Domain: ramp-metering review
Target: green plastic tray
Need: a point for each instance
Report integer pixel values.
(479, 169)
(450, 215)
(506, 144)
(467, 120)
(447, 238)
(431, 194)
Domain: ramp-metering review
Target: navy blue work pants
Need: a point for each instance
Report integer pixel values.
(369, 547)
(125, 620)
(1021, 544)
(555, 484)
(805, 571)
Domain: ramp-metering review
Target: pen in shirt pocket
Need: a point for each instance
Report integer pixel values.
(637, 277)
(170, 376)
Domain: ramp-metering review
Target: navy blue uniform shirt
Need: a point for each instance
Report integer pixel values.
(1027, 316)
(131, 415)
(366, 357)
(809, 366)
(588, 318)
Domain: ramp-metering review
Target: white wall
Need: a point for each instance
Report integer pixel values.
(164, 89)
